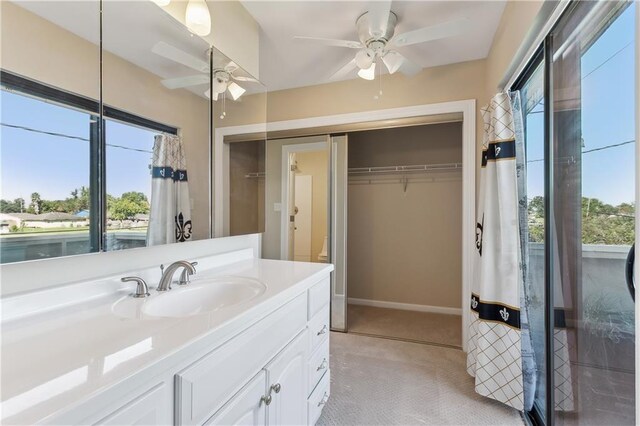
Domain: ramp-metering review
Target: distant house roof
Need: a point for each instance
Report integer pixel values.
(57, 216)
(83, 213)
(21, 216)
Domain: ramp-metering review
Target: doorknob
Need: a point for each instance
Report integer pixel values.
(629, 271)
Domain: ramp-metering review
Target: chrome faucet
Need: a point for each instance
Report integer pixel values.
(167, 273)
(184, 277)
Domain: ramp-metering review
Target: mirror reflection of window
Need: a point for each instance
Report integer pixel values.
(44, 158)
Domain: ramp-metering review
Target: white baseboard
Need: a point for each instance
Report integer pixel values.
(406, 306)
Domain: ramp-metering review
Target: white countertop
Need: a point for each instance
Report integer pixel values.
(52, 361)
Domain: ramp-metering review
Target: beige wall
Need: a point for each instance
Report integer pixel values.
(40, 50)
(234, 32)
(517, 18)
(316, 164)
(246, 209)
(406, 247)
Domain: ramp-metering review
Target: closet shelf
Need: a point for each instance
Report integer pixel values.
(405, 169)
(254, 175)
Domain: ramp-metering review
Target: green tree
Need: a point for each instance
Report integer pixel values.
(125, 208)
(36, 204)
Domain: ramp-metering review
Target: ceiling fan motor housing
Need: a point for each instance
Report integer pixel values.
(373, 40)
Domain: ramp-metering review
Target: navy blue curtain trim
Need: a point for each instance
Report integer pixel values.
(495, 312)
(169, 173)
(499, 151)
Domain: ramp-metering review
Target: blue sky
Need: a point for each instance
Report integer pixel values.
(608, 117)
(54, 166)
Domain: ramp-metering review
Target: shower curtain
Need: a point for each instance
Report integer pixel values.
(500, 355)
(170, 214)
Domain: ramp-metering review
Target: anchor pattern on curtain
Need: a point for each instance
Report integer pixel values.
(499, 354)
(170, 213)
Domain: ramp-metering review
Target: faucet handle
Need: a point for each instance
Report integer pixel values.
(184, 277)
(142, 290)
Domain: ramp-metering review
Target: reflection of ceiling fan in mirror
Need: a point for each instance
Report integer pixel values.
(376, 30)
(222, 77)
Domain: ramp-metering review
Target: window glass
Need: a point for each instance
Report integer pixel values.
(44, 189)
(128, 153)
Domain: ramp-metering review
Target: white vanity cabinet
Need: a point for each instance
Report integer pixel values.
(263, 375)
(267, 365)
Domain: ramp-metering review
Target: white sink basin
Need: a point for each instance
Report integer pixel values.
(199, 297)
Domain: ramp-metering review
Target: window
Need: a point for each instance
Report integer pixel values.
(67, 188)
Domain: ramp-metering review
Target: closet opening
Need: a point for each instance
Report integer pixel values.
(404, 239)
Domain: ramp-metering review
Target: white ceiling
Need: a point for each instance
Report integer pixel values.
(287, 63)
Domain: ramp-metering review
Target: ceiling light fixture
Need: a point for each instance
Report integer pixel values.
(198, 18)
(368, 73)
(235, 90)
(364, 58)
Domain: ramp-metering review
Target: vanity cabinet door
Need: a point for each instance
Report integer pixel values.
(246, 407)
(287, 379)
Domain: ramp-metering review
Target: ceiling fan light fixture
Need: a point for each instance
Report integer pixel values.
(364, 58)
(235, 90)
(393, 61)
(368, 73)
(198, 18)
(208, 95)
(219, 85)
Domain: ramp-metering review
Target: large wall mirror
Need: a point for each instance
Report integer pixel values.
(85, 129)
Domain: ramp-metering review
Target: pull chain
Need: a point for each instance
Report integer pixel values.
(379, 67)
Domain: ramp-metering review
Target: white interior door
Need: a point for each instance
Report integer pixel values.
(302, 195)
(338, 234)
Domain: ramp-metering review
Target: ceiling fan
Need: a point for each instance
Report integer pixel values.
(223, 76)
(376, 31)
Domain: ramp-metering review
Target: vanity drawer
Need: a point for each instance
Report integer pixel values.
(202, 388)
(319, 398)
(319, 328)
(319, 296)
(318, 364)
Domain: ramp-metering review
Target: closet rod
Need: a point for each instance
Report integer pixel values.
(402, 169)
(255, 175)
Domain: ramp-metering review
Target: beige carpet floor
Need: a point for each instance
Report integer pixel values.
(409, 325)
(387, 382)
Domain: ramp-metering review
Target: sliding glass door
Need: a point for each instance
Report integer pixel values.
(579, 127)
(593, 210)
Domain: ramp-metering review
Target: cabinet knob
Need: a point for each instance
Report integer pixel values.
(266, 399)
(276, 388)
(323, 365)
(323, 331)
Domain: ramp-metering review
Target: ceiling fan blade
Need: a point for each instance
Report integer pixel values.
(331, 42)
(242, 78)
(434, 32)
(379, 17)
(409, 68)
(345, 70)
(180, 56)
(179, 82)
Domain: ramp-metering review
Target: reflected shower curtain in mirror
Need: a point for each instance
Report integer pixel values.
(500, 355)
(170, 214)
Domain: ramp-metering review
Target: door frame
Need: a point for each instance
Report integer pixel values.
(469, 168)
(287, 150)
